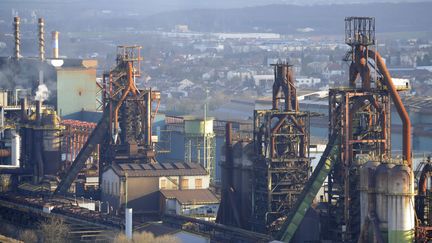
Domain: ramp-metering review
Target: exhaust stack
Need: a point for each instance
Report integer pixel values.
(17, 37)
(55, 43)
(23, 109)
(38, 110)
(41, 24)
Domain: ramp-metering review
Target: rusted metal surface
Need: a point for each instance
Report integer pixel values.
(362, 115)
(423, 199)
(123, 135)
(75, 134)
(282, 164)
(403, 114)
(130, 109)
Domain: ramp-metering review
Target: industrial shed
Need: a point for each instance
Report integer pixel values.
(140, 184)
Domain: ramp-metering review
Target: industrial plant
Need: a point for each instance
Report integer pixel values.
(98, 153)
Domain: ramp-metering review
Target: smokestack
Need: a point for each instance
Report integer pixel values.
(55, 43)
(41, 39)
(17, 37)
(38, 110)
(23, 109)
(228, 134)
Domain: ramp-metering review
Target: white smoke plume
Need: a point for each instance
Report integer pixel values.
(42, 93)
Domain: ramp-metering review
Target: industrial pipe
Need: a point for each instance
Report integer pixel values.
(148, 131)
(41, 39)
(55, 43)
(403, 114)
(292, 90)
(23, 109)
(422, 187)
(359, 66)
(38, 110)
(17, 37)
(130, 87)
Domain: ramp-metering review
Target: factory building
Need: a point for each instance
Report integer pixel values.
(140, 185)
(197, 203)
(268, 186)
(74, 79)
(76, 82)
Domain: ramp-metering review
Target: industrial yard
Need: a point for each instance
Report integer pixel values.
(92, 152)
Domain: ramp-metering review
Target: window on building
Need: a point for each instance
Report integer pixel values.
(184, 184)
(198, 183)
(174, 183)
(162, 184)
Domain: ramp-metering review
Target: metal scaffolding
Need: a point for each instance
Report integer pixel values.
(282, 165)
(361, 118)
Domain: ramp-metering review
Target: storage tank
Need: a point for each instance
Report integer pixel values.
(382, 174)
(51, 143)
(401, 204)
(367, 187)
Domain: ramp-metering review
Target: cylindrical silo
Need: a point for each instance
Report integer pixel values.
(381, 188)
(367, 188)
(51, 143)
(401, 205)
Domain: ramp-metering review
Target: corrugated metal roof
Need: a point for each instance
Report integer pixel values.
(191, 196)
(158, 169)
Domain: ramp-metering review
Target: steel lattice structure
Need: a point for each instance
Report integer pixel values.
(282, 165)
(361, 117)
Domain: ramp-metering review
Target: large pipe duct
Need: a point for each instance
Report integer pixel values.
(403, 114)
(41, 25)
(17, 37)
(55, 43)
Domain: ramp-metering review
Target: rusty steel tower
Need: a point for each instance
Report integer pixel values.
(282, 164)
(130, 111)
(124, 133)
(360, 115)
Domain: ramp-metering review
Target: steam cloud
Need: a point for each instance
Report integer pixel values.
(42, 93)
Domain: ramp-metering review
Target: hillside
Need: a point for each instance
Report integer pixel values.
(289, 19)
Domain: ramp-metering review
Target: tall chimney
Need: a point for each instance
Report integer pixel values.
(41, 39)
(38, 110)
(23, 109)
(17, 37)
(55, 43)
